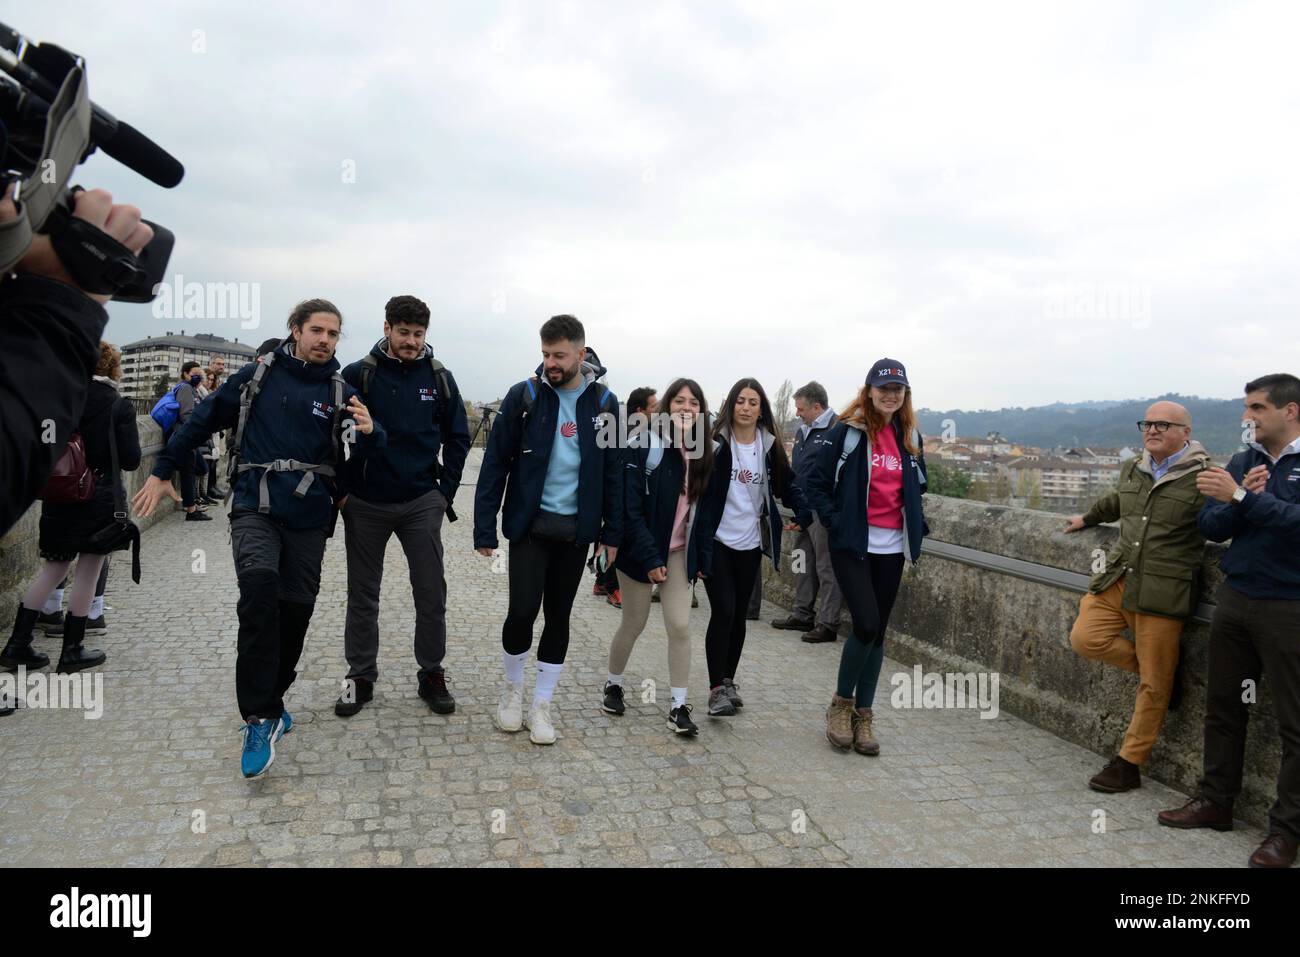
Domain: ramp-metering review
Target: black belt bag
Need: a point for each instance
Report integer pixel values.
(550, 527)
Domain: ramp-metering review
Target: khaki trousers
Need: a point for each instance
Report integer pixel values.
(1152, 656)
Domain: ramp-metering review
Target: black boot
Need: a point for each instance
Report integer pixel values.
(18, 651)
(74, 657)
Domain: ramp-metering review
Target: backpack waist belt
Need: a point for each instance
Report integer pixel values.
(284, 465)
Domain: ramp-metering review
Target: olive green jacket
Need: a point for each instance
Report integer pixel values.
(1160, 547)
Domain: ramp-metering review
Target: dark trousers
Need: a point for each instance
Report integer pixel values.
(1249, 636)
(418, 526)
(756, 596)
(869, 587)
(544, 575)
(278, 570)
(185, 467)
(730, 586)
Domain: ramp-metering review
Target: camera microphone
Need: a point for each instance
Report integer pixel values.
(122, 141)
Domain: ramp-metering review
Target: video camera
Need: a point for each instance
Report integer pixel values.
(48, 127)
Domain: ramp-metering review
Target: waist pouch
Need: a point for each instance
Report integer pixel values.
(548, 526)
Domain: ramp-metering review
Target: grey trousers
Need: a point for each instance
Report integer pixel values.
(368, 526)
(817, 576)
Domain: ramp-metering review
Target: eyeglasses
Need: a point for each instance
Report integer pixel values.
(1161, 427)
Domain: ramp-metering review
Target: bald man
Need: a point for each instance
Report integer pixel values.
(1149, 582)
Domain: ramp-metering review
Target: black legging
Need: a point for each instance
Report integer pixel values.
(543, 575)
(729, 585)
(869, 588)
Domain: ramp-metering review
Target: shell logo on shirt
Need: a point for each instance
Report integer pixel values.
(889, 463)
(569, 429)
(744, 476)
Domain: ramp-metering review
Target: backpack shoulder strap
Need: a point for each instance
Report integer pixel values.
(336, 435)
(851, 439)
(444, 385)
(246, 396)
(529, 397)
(368, 366)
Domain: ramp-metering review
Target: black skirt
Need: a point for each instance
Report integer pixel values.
(67, 527)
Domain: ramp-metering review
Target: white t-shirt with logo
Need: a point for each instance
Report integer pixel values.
(739, 527)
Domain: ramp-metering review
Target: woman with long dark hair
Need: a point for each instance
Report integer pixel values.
(666, 473)
(865, 486)
(739, 523)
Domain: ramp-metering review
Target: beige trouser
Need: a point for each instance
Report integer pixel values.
(1152, 655)
(675, 599)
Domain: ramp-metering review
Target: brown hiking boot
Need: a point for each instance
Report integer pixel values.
(864, 739)
(1198, 812)
(1117, 776)
(839, 722)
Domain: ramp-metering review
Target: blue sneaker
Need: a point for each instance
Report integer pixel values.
(286, 725)
(259, 745)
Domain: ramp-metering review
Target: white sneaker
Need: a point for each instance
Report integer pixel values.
(510, 712)
(540, 729)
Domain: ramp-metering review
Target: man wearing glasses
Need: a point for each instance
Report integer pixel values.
(1255, 502)
(1149, 581)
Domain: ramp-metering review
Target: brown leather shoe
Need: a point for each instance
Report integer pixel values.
(1278, 850)
(1198, 812)
(819, 635)
(1116, 777)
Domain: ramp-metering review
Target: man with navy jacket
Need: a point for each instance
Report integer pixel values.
(294, 419)
(402, 489)
(550, 453)
(1255, 502)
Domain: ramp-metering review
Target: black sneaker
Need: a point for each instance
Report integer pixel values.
(613, 699)
(433, 689)
(679, 719)
(52, 624)
(356, 693)
(197, 516)
(94, 626)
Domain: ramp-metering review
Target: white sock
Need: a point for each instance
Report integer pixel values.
(679, 697)
(615, 679)
(54, 604)
(96, 606)
(548, 675)
(514, 665)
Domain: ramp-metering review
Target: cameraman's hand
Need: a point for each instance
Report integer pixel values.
(96, 207)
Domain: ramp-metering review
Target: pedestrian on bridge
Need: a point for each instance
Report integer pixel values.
(664, 476)
(1255, 502)
(1148, 583)
(294, 419)
(866, 485)
(739, 523)
(550, 454)
(403, 489)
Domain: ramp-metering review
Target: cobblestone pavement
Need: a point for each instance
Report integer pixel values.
(155, 781)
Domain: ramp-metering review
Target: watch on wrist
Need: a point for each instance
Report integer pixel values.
(1239, 495)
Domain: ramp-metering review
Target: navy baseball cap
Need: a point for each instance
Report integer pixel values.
(886, 371)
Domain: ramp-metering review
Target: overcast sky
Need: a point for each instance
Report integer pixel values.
(1024, 203)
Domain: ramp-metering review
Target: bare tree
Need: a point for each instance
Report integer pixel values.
(781, 409)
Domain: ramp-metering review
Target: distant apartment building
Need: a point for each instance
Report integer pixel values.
(145, 360)
(1061, 483)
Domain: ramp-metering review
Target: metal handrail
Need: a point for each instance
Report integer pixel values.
(1028, 571)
